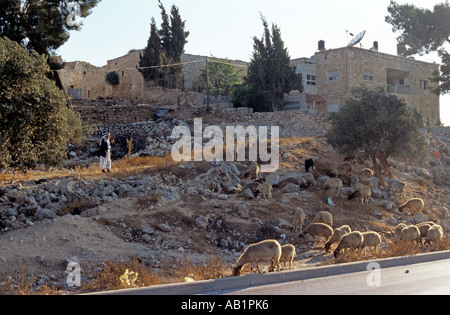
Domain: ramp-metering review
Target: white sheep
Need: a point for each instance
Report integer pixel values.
(398, 231)
(309, 179)
(366, 173)
(269, 250)
(337, 236)
(317, 229)
(415, 205)
(323, 217)
(371, 239)
(345, 168)
(435, 233)
(410, 234)
(351, 241)
(363, 192)
(424, 227)
(333, 183)
(287, 255)
(265, 190)
(253, 171)
(299, 219)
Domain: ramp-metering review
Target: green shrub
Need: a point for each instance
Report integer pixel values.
(35, 122)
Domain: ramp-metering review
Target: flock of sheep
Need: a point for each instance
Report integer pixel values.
(321, 227)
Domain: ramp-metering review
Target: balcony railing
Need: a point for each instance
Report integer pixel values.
(398, 89)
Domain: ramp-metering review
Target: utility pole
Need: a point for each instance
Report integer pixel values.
(207, 85)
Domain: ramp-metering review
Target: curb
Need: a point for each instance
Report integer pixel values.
(218, 286)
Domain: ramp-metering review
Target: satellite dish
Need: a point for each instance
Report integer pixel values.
(357, 39)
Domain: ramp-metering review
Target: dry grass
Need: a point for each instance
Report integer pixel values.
(175, 271)
(125, 167)
(22, 285)
(399, 249)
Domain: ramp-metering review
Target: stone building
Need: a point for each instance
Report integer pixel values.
(330, 75)
(85, 81)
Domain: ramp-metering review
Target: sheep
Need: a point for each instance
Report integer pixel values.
(265, 190)
(424, 227)
(252, 172)
(351, 241)
(371, 239)
(333, 183)
(363, 192)
(410, 234)
(269, 250)
(345, 168)
(317, 229)
(287, 255)
(398, 231)
(366, 173)
(309, 179)
(324, 217)
(337, 236)
(299, 218)
(435, 233)
(309, 165)
(416, 204)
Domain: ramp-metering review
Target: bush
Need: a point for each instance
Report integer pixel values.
(35, 122)
(247, 96)
(112, 78)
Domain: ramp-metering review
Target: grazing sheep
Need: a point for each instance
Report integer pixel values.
(363, 193)
(351, 241)
(333, 183)
(324, 217)
(424, 227)
(416, 205)
(317, 229)
(371, 239)
(252, 172)
(299, 218)
(287, 255)
(309, 179)
(366, 173)
(265, 190)
(435, 233)
(345, 168)
(410, 234)
(398, 231)
(269, 250)
(337, 236)
(309, 165)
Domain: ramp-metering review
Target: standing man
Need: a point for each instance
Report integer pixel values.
(105, 153)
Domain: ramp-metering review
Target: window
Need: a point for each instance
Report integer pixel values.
(424, 84)
(333, 76)
(368, 77)
(310, 79)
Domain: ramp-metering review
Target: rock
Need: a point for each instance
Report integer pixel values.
(42, 214)
(419, 218)
(392, 221)
(243, 211)
(202, 222)
(164, 227)
(248, 194)
(100, 210)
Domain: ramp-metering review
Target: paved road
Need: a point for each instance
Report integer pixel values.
(432, 278)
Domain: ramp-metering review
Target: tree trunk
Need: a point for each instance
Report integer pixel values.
(385, 165)
(377, 169)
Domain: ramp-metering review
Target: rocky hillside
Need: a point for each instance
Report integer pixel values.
(154, 209)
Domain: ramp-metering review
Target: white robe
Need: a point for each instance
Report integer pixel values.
(105, 162)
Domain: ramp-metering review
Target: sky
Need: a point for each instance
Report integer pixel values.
(225, 28)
